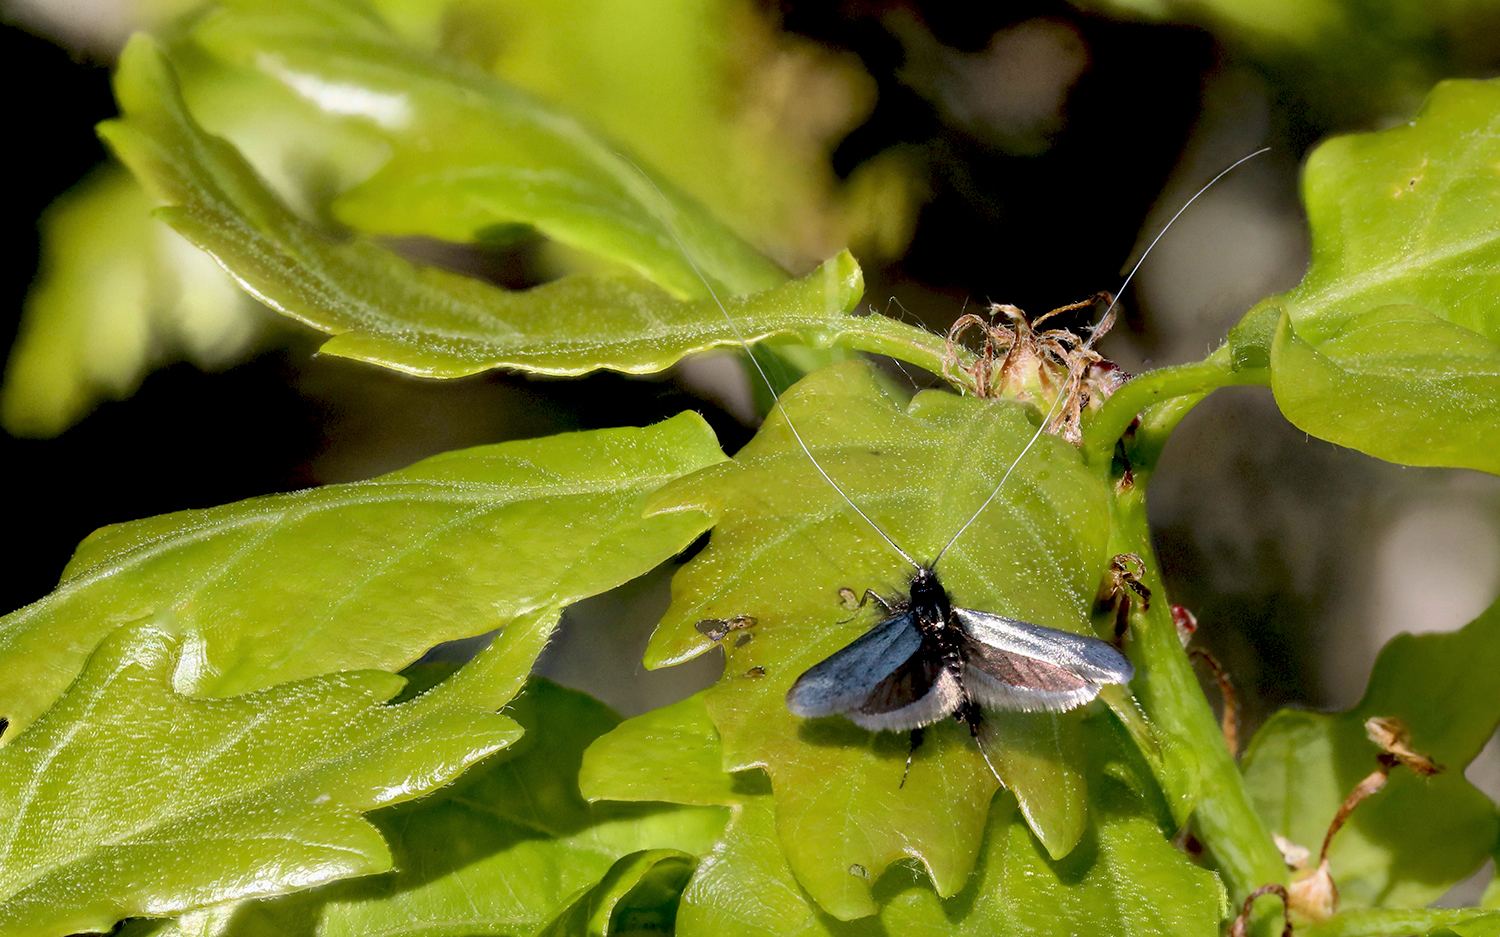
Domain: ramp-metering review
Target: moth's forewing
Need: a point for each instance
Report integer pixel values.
(886, 679)
(1016, 665)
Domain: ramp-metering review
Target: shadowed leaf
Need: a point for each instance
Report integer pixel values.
(1408, 844)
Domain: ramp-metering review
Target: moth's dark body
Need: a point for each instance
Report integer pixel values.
(930, 660)
(941, 653)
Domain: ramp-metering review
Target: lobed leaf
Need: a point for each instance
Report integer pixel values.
(1123, 878)
(511, 848)
(685, 759)
(1408, 844)
(1391, 343)
(784, 544)
(368, 574)
(127, 798)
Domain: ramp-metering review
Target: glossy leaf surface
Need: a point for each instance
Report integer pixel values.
(1123, 878)
(1409, 843)
(1391, 343)
(510, 848)
(783, 546)
(127, 798)
(368, 574)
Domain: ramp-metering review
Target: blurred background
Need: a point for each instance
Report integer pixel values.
(1022, 153)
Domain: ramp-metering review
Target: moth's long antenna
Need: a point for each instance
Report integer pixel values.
(1075, 372)
(672, 230)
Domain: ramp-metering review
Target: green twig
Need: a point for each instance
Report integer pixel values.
(1226, 822)
(1155, 387)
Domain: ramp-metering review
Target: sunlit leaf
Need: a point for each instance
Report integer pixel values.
(368, 574)
(686, 763)
(1391, 343)
(118, 292)
(127, 798)
(510, 849)
(1408, 844)
(783, 546)
(1436, 922)
(1123, 877)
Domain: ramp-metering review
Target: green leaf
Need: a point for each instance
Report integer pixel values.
(471, 154)
(1391, 343)
(1438, 922)
(1408, 844)
(127, 798)
(430, 322)
(784, 544)
(118, 291)
(369, 574)
(1123, 878)
(685, 763)
(509, 849)
(639, 893)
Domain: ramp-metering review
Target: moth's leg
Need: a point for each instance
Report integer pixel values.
(916, 740)
(972, 716)
(846, 595)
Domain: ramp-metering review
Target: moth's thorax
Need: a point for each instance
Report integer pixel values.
(929, 602)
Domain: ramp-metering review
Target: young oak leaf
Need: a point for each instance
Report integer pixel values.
(510, 848)
(784, 544)
(367, 574)
(1391, 343)
(1406, 845)
(385, 310)
(129, 799)
(1123, 878)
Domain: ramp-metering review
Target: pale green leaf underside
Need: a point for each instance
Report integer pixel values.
(1391, 343)
(368, 574)
(384, 310)
(127, 798)
(1408, 844)
(782, 547)
(471, 154)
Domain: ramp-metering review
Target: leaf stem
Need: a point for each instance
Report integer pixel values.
(1158, 387)
(1199, 763)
